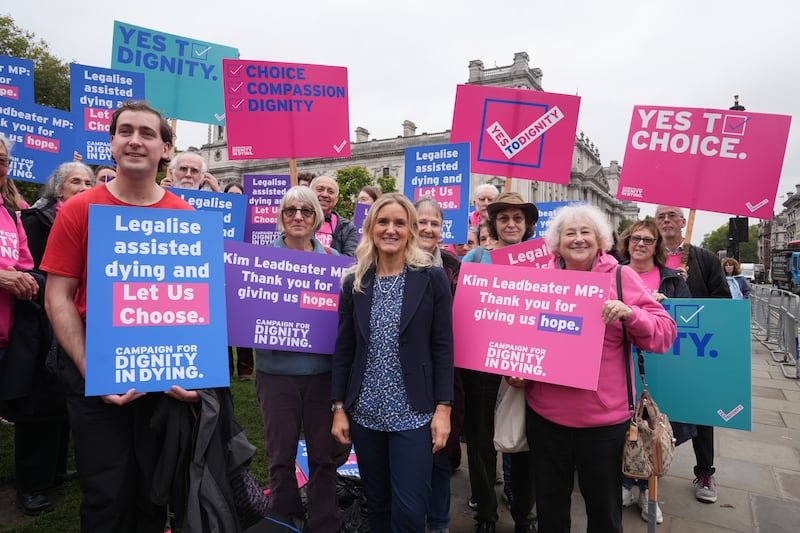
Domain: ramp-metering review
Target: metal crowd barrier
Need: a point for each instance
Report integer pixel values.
(776, 316)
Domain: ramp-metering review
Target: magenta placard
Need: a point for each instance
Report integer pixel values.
(160, 304)
(285, 110)
(533, 253)
(516, 132)
(539, 324)
(709, 159)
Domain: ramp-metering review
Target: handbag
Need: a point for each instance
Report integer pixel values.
(649, 443)
(509, 421)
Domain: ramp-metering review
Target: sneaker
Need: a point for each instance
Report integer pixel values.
(472, 503)
(706, 489)
(644, 504)
(627, 496)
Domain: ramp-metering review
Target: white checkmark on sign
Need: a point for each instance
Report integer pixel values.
(511, 147)
(727, 416)
(200, 53)
(340, 147)
(219, 117)
(754, 208)
(686, 320)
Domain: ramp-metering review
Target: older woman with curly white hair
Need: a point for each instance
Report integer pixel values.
(581, 430)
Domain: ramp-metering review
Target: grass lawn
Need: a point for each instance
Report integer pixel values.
(65, 517)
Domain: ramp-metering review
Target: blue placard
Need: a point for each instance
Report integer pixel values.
(442, 171)
(547, 210)
(232, 207)
(349, 468)
(95, 93)
(183, 76)
(16, 79)
(155, 300)
(43, 139)
(705, 377)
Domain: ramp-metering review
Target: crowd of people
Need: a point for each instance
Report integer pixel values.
(390, 387)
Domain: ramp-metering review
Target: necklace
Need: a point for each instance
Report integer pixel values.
(391, 287)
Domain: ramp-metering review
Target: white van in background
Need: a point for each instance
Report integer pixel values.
(749, 271)
(754, 272)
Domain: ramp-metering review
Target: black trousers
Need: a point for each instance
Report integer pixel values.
(40, 451)
(596, 454)
(480, 400)
(115, 452)
(703, 445)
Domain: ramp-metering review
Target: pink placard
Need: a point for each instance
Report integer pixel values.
(285, 110)
(516, 132)
(533, 253)
(709, 159)
(539, 324)
(160, 304)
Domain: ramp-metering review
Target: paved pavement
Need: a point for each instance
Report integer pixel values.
(758, 472)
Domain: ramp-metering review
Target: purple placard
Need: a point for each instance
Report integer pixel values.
(282, 299)
(264, 193)
(359, 215)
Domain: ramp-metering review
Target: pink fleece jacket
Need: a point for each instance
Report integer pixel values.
(650, 328)
(13, 253)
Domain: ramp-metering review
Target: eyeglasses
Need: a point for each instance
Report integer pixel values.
(505, 219)
(291, 212)
(671, 215)
(636, 239)
(3, 161)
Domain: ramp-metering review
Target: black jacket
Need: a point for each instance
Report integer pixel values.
(426, 339)
(345, 235)
(706, 277)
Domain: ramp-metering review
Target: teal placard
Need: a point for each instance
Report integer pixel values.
(183, 76)
(705, 378)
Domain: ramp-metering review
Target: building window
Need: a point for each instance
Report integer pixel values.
(385, 172)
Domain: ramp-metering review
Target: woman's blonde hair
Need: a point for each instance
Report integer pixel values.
(367, 252)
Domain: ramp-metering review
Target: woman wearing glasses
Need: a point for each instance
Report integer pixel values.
(642, 248)
(294, 390)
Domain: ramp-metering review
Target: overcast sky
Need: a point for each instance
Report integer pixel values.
(405, 59)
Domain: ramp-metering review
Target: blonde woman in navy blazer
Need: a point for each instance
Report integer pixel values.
(392, 377)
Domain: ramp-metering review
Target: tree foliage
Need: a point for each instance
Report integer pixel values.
(387, 184)
(50, 77)
(624, 224)
(718, 240)
(351, 180)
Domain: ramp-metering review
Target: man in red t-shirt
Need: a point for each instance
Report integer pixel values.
(115, 450)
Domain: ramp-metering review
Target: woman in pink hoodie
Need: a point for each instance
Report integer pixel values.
(581, 430)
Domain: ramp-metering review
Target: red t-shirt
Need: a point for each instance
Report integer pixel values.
(67, 246)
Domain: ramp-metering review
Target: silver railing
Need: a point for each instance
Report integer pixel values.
(776, 317)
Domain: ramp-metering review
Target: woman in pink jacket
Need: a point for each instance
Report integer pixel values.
(581, 430)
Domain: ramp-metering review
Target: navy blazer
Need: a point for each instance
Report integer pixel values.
(426, 339)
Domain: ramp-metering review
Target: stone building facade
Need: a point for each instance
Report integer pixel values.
(590, 180)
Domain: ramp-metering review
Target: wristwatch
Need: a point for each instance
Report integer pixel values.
(337, 407)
